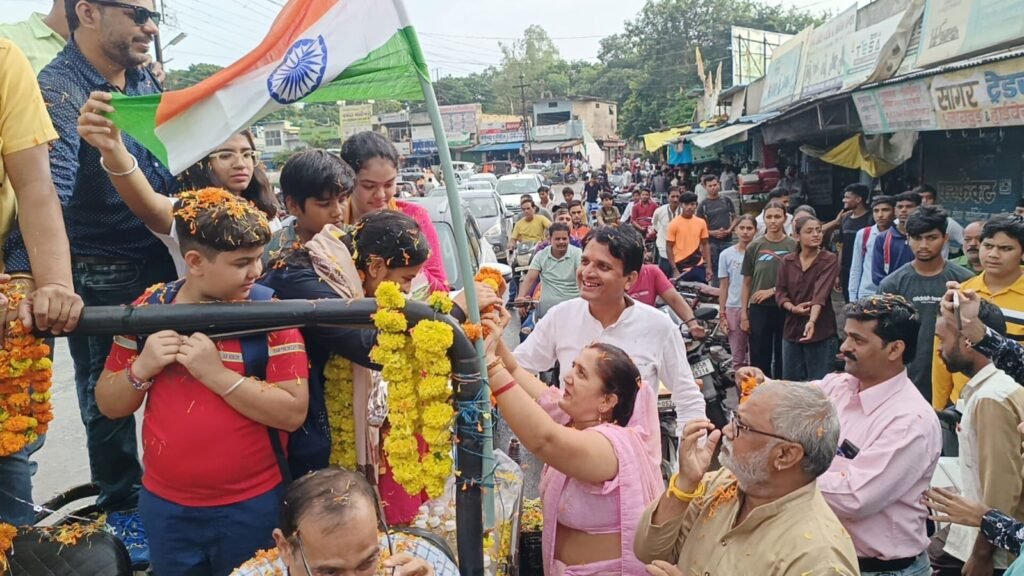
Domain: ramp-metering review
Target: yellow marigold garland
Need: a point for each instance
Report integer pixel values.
(338, 394)
(417, 369)
(393, 354)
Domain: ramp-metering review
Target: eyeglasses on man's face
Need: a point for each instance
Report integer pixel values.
(734, 419)
(140, 15)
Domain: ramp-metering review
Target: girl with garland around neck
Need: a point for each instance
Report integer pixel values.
(384, 246)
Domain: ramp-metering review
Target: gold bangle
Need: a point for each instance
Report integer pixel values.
(21, 276)
(494, 363)
(684, 496)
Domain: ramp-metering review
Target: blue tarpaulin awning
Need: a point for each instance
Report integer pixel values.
(502, 147)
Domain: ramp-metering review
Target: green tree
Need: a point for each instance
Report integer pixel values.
(194, 74)
(654, 56)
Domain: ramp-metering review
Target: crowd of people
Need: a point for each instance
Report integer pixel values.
(823, 468)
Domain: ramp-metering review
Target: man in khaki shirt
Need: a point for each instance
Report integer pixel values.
(762, 513)
(992, 404)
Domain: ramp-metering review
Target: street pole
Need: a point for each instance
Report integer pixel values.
(157, 46)
(526, 118)
(469, 486)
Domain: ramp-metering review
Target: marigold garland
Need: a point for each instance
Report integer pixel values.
(7, 534)
(26, 375)
(338, 396)
(417, 369)
(493, 278)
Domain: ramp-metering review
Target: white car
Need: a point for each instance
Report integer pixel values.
(485, 177)
(511, 187)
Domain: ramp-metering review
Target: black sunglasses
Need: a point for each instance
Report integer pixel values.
(140, 15)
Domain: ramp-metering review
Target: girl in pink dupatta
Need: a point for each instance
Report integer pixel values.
(598, 478)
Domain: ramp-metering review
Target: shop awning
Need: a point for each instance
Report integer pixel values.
(656, 140)
(500, 147)
(552, 146)
(709, 139)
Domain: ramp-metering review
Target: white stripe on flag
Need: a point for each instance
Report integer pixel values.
(351, 30)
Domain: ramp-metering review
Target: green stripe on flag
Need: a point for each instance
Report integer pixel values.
(390, 72)
(136, 116)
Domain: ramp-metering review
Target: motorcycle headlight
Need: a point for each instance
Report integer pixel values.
(493, 233)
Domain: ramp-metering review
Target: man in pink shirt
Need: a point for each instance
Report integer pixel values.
(652, 283)
(890, 443)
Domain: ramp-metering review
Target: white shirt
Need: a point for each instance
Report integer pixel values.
(955, 237)
(663, 216)
(761, 228)
(993, 384)
(862, 283)
(646, 334)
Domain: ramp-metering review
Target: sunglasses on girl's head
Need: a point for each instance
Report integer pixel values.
(140, 15)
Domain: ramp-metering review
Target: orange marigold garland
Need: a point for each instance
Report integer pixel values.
(488, 277)
(26, 374)
(7, 534)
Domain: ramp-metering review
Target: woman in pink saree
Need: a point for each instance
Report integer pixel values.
(598, 477)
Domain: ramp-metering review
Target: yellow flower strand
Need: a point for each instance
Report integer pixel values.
(418, 372)
(338, 394)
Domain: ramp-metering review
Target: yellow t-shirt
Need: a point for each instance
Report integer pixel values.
(24, 122)
(946, 387)
(532, 231)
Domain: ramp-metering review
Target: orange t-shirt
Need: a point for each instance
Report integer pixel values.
(687, 234)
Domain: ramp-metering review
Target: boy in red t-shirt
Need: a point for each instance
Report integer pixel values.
(212, 484)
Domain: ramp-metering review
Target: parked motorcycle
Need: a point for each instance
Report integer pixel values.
(711, 364)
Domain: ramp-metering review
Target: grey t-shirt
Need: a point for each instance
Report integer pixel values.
(717, 212)
(925, 293)
(558, 276)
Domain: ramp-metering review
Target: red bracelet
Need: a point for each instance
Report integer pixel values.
(503, 389)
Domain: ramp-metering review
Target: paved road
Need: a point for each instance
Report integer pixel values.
(63, 460)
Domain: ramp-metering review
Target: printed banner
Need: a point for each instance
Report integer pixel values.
(903, 106)
(782, 83)
(953, 28)
(981, 97)
(824, 65)
(863, 48)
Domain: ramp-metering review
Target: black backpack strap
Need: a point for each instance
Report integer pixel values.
(255, 356)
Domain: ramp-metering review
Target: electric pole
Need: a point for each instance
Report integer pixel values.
(526, 118)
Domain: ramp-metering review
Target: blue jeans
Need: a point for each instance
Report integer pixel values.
(16, 482)
(921, 567)
(112, 444)
(804, 362)
(591, 208)
(208, 540)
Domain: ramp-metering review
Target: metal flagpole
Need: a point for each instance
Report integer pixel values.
(462, 245)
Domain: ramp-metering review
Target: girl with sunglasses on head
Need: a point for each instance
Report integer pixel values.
(233, 166)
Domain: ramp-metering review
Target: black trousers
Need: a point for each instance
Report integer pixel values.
(766, 322)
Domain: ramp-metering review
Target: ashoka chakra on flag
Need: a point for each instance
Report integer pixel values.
(300, 73)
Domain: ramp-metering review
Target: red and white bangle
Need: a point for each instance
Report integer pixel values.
(136, 382)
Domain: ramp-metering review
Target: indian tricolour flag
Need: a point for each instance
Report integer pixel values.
(316, 51)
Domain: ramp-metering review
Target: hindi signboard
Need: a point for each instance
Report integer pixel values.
(952, 28)
(980, 97)
(824, 64)
(782, 83)
(356, 118)
(903, 106)
(460, 118)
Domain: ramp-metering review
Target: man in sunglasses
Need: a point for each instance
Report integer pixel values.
(763, 512)
(329, 525)
(891, 439)
(115, 256)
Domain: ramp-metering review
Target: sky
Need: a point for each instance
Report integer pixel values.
(458, 36)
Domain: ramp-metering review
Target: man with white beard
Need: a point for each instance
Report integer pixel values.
(890, 441)
(762, 513)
